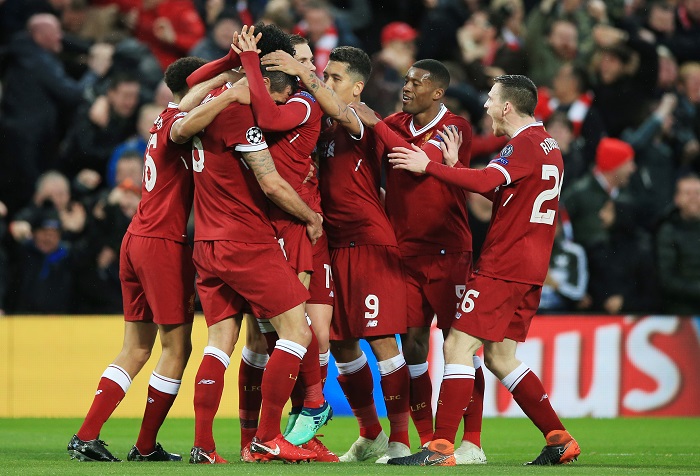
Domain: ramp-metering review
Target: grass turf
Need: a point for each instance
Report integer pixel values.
(650, 446)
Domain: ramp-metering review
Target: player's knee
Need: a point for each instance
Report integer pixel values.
(139, 355)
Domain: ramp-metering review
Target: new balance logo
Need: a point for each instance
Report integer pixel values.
(206, 382)
(544, 397)
(372, 323)
(150, 400)
(458, 315)
(98, 392)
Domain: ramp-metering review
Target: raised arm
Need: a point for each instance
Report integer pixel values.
(214, 68)
(198, 92)
(330, 103)
(201, 116)
(281, 193)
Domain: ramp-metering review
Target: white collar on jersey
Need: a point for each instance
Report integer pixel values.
(172, 105)
(431, 124)
(533, 124)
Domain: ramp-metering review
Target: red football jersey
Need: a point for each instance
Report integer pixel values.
(228, 201)
(520, 238)
(428, 216)
(167, 188)
(350, 174)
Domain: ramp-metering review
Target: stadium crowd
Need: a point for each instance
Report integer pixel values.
(619, 90)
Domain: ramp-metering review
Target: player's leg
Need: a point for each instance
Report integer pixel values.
(280, 376)
(163, 387)
(529, 393)
(355, 379)
(254, 358)
(139, 338)
(470, 451)
(209, 386)
(415, 346)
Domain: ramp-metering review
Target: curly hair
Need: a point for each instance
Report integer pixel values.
(177, 72)
(273, 39)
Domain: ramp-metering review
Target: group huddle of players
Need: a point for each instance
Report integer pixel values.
(294, 233)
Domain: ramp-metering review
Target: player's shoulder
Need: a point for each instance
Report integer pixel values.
(169, 115)
(398, 118)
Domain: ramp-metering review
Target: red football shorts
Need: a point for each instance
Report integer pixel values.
(229, 273)
(493, 309)
(295, 243)
(321, 286)
(370, 292)
(157, 277)
(434, 285)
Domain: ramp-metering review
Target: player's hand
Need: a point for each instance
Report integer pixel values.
(238, 93)
(365, 113)
(415, 160)
(451, 142)
(247, 40)
(315, 229)
(282, 61)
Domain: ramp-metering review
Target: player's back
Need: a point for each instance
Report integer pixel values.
(428, 216)
(519, 241)
(167, 187)
(229, 203)
(292, 149)
(350, 175)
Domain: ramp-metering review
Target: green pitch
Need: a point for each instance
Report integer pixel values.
(610, 447)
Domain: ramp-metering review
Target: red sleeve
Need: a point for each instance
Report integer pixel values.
(189, 28)
(212, 68)
(391, 140)
(475, 180)
(268, 115)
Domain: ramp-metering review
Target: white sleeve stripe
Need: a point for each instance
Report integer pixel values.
(502, 170)
(170, 132)
(362, 127)
(251, 147)
(308, 108)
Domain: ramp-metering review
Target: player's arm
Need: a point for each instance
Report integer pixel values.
(198, 92)
(416, 160)
(201, 116)
(281, 193)
(268, 115)
(216, 67)
(390, 138)
(330, 103)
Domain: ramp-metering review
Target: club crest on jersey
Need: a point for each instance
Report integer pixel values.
(507, 151)
(254, 136)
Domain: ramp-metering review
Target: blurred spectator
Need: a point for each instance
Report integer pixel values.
(97, 256)
(678, 250)
(4, 264)
(14, 14)
(485, 54)
(89, 22)
(148, 113)
(653, 183)
(45, 267)
(51, 188)
(36, 93)
(389, 67)
(686, 33)
(668, 71)
(562, 130)
(567, 278)
(626, 75)
(438, 28)
(218, 40)
(549, 49)
(170, 28)
(323, 30)
(571, 95)
(602, 215)
(687, 128)
(99, 127)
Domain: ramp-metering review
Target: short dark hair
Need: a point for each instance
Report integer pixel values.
(298, 39)
(439, 74)
(177, 72)
(273, 39)
(279, 80)
(520, 91)
(357, 60)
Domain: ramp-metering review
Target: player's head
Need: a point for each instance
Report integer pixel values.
(511, 96)
(280, 85)
(177, 72)
(302, 51)
(347, 72)
(273, 39)
(424, 85)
